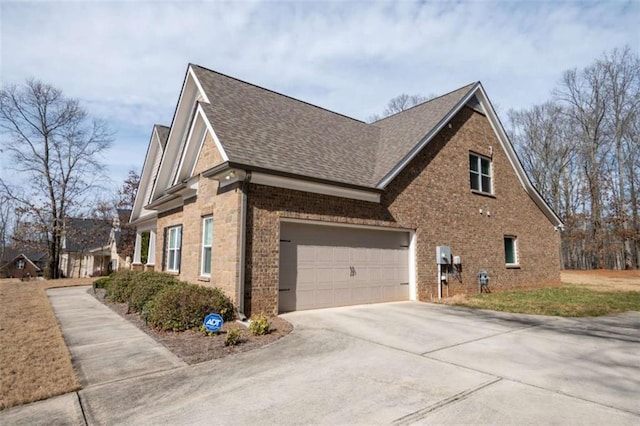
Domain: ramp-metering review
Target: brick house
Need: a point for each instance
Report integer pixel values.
(23, 265)
(288, 206)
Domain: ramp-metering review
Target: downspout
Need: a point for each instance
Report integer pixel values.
(243, 244)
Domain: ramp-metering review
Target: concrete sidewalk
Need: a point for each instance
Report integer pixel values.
(104, 346)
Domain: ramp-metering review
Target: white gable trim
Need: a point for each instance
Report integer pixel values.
(180, 127)
(205, 98)
(146, 175)
(200, 125)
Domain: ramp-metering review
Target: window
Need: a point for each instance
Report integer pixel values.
(174, 242)
(480, 173)
(20, 264)
(510, 251)
(207, 239)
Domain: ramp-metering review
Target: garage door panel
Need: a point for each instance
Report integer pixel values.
(306, 255)
(337, 266)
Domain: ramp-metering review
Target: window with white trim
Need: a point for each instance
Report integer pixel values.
(480, 173)
(511, 250)
(174, 245)
(207, 240)
(20, 264)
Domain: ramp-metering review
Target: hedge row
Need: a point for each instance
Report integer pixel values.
(165, 302)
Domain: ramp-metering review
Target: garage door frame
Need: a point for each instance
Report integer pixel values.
(412, 245)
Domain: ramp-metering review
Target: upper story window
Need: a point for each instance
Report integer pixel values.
(480, 173)
(20, 264)
(207, 240)
(174, 245)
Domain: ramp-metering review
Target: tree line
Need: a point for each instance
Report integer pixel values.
(581, 150)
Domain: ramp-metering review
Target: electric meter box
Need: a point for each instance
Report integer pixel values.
(443, 255)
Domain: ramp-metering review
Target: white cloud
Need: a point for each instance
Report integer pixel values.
(126, 60)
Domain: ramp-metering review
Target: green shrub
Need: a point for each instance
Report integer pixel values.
(259, 325)
(101, 282)
(145, 286)
(184, 306)
(233, 337)
(120, 286)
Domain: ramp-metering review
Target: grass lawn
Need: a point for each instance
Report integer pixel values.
(566, 301)
(34, 361)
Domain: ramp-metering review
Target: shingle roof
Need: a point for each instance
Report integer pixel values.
(400, 132)
(261, 128)
(83, 234)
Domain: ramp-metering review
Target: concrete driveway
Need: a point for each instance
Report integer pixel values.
(397, 363)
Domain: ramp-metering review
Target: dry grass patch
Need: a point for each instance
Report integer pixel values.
(603, 279)
(34, 361)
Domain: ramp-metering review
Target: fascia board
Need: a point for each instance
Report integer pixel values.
(189, 76)
(313, 187)
(214, 135)
(199, 120)
(195, 78)
(144, 178)
(418, 147)
(147, 222)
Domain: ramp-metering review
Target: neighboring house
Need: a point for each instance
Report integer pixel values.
(17, 264)
(86, 248)
(121, 241)
(288, 206)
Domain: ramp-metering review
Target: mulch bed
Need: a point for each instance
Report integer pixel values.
(194, 346)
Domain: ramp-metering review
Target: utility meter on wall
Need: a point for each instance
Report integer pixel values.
(443, 255)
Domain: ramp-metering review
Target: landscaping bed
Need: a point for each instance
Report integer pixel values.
(193, 345)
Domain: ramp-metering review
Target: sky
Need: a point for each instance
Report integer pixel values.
(126, 60)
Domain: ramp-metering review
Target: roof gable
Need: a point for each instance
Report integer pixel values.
(258, 129)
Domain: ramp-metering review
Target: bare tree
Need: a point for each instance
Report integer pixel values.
(540, 137)
(400, 103)
(56, 147)
(6, 210)
(584, 96)
(622, 85)
(127, 193)
(583, 154)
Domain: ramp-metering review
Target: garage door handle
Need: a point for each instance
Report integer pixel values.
(284, 289)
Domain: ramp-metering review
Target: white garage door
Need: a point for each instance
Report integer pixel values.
(323, 266)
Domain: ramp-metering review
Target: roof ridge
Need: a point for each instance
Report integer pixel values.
(427, 101)
(278, 93)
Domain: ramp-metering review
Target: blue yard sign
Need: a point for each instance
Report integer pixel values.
(213, 322)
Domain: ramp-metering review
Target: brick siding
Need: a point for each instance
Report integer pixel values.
(431, 195)
(224, 205)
